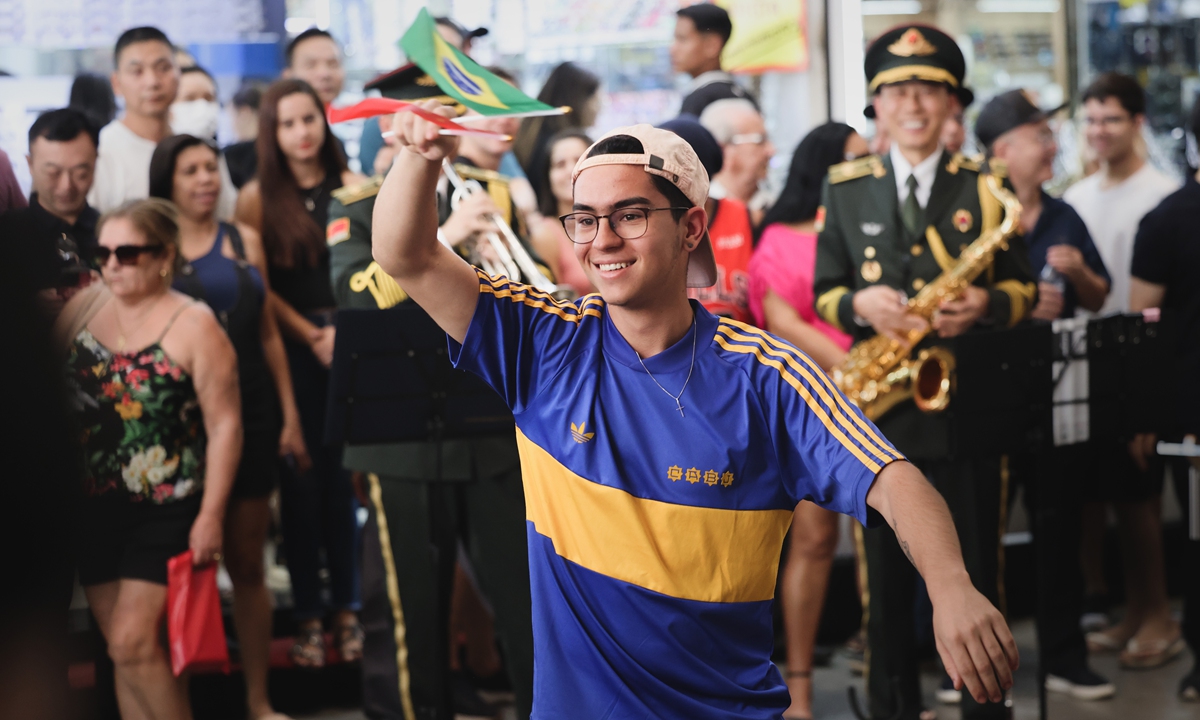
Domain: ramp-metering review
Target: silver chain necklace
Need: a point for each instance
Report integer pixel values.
(678, 405)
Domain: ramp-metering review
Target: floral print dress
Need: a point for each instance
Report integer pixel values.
(142, 433)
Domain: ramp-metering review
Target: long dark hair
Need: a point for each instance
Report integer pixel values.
(801, 196)
(547, 203)
(288, 232)
(162, 163)
(568, 85)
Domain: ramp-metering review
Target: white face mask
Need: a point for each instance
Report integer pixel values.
(196, 117)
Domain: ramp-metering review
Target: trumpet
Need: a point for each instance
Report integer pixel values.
(512, 259)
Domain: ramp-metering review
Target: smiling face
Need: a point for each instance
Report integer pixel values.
(147, 78)
(139, 280)
(1111, 130)
(1029, 152)
(301, 128)
(913, 113)
(640, 273)
(197, 181)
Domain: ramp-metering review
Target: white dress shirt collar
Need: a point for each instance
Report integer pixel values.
(926, 171)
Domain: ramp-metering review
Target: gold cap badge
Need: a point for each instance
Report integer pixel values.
(911, 43)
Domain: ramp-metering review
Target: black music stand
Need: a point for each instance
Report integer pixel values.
(392, 381)
(1002, 388)
(1130, 370)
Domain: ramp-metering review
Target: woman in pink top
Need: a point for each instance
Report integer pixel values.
(781, 300)
(549, 239)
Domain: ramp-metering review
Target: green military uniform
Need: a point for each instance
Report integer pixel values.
(421, 508)
(864, 241)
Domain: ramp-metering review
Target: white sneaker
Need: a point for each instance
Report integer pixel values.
(1082, 684)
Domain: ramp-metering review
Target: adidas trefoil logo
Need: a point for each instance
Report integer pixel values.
(577, 432)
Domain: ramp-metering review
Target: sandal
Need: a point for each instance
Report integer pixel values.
(1152, 655)
(309, 649)
(349, 642)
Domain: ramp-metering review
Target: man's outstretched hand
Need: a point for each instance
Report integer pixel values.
(975, 643)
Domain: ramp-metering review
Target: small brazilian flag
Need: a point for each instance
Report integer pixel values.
(459, 76)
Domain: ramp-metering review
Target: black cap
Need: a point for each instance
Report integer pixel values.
(916, 52)
(702, 141)
(409, 83)
(1007, 111)
(708, 17)
(459, 28)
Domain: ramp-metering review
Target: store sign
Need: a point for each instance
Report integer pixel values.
(767, 35)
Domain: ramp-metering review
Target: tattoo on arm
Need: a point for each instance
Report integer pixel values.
(904, 545)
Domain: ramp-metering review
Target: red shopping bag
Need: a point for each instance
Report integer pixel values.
(195, 631)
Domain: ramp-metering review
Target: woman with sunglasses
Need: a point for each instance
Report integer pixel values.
(299, 167)
(226, 268)
(154, 380)
(781, 300)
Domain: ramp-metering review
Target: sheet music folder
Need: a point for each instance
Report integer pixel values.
(392, 381)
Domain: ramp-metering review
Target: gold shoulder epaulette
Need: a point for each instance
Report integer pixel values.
(998, 167)
(962, 161)
(854, 169)
(478, 173)
(351, 194)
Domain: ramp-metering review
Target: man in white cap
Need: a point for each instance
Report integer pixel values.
(661, 471)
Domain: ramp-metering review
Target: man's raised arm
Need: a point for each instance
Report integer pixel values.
(974, 641)
(405, 224)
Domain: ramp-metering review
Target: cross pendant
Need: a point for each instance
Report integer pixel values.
(679, 408)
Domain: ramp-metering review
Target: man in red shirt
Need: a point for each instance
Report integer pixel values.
(729, 228)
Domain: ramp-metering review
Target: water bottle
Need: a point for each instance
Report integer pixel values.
(1050, 276)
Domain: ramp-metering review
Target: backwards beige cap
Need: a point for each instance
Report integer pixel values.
(669, 156)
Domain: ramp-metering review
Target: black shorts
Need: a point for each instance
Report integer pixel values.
(120, 539)
(1113, 476)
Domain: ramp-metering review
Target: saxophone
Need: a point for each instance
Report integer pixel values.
(879, 372)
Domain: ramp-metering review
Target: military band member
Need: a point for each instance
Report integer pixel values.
(418, 514)
(888, 226)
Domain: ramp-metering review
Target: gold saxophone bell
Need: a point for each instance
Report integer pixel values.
(879, 373)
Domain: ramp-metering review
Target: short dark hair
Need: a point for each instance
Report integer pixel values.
(629, 145)
(137, 35)
(309, 34)
(63, 125)
(708, 18)
(248, 96)
(198, 69)
(162, 163)
(93, 96)
(1123, 87)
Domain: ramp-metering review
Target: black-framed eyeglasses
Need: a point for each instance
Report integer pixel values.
(628, 223)
(126, 254)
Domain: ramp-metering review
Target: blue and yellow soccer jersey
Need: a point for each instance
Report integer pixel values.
(654, 539)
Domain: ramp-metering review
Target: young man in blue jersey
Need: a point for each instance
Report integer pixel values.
(663, 450)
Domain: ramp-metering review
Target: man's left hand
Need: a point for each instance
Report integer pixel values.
(955, 317)
(976, 646)
(1066, 259)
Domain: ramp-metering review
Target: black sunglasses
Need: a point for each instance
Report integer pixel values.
(126, 254)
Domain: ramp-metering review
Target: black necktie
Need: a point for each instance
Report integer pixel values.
(911, 212)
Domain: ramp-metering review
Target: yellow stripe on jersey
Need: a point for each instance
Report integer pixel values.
(792, 354)
(817, 409)
(532, 297)
(686, 552)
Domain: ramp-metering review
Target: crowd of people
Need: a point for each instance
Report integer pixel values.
(190, 296)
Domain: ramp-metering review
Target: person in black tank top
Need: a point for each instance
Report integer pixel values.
(225, 268)
(299, 167)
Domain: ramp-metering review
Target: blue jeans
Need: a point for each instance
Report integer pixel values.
(318, 506)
